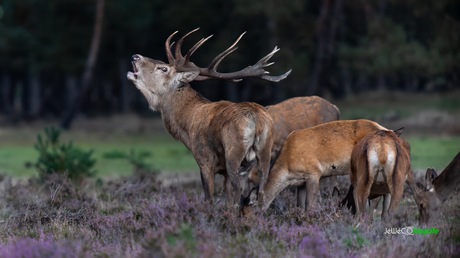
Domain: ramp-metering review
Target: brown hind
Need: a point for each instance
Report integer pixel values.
(380, 165)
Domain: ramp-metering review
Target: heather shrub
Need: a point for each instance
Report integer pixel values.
(62, 158)
(136, 216)
(44, 246)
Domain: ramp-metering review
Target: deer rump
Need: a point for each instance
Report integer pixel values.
(379, 166)
(237, 137)
(241, 132)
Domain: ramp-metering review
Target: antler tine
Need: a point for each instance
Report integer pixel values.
(263, 61)
(168, 48)
(276, 78)
(257, 70)
(178, 54)
(221, 56)
(195, 47)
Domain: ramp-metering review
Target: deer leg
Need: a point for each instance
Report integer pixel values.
(312, 195)
(263, 164)
(301, 196)
(396, 197)
(349, 200)
(228, 189)
(385, 204)
(207, 180)
(360, 194)
(374, 203)
(233, 187)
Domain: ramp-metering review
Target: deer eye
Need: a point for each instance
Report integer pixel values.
(162, 68)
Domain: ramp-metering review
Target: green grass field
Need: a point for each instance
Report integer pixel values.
(166, 154)
(163, 153)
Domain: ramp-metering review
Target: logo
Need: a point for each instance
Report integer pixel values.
(410, 231)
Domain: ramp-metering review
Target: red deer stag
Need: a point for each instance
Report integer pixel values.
(437, 189)
(380, 165)
(224, 137)
(291, 115)
(309, 154)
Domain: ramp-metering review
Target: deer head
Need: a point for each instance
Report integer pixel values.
(155, 78)
(436, 189)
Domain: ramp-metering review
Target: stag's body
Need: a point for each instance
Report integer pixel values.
(380, 164)
(310, 154)
(224, 137)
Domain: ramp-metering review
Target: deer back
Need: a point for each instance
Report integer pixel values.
(299, 113)
(329, 143)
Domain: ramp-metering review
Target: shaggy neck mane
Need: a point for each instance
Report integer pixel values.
(179, 111)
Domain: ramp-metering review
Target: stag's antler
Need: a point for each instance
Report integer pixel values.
(184, 64)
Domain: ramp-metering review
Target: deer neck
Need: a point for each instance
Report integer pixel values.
(179, 113)
(449, 179)
(276, 182)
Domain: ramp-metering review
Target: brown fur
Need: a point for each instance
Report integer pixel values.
(437, 189)
(299, 113)
(291, 115)
(309, 154)
(380, 164)
(223, 136)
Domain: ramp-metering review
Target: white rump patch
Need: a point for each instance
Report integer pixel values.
(373, 158)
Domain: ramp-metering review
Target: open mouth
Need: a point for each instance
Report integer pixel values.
(133, 75)
(134, 67)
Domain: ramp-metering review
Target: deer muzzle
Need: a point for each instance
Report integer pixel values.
(133, 75)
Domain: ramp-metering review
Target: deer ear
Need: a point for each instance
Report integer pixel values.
(399, 131)
(431, 174)
(187, 76)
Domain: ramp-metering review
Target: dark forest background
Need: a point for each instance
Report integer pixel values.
(61, 59)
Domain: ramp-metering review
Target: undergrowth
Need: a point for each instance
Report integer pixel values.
(136, 217)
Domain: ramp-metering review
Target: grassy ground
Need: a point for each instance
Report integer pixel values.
(376, 105)
(160, 151)
(140, 215)
(166, 154)
(431, 121)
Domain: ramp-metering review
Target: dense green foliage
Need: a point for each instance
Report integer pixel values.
(62, 158)
(339, 47)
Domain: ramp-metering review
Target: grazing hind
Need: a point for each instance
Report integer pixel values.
(380, 165)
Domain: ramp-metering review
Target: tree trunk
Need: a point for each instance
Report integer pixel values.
(31, 96)
(71, 90)
(89, 67)
(7, 93)
(326, 30)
